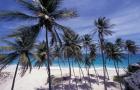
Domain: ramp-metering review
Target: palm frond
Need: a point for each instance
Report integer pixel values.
(15, 15)
(64, 14)
(8, 59)
(26, 65)
(28, 32)
(51, 5)
(103, 25)
(61, 27)
(6, 48)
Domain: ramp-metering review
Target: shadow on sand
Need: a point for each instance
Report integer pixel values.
(67, 83)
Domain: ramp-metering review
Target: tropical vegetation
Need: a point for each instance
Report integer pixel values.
(60, 42)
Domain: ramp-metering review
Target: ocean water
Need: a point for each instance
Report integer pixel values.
(97, 62)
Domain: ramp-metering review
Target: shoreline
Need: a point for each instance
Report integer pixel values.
(57, 67)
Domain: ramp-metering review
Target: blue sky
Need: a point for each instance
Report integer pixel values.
(124, 14)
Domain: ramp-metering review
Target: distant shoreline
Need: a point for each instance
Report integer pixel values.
(12, 67)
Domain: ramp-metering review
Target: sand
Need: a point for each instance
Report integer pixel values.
(36, 80)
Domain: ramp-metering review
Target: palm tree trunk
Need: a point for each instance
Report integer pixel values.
(103, 60)
(60, 72)
(106, 72)
(117, 74)
(60, 67)
(97, 75)
(89, 77)
(73, 68)
(13, 83)
(48, 61)
(69, 73)
(80, 69)
(69, 68)
(74, 73)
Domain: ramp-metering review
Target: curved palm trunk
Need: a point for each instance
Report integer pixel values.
(89, 77)
(69, 73)
(74, 73)
(73, 68)
(13, 83)
(97, 75)
(117, 72)
(60, 72)
(80, 69)
(48, 61)
(60, 67)
(103, 60)
(87, 68)
(106, 71)
(69, 67)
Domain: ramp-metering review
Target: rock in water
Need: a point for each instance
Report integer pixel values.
(134, 67)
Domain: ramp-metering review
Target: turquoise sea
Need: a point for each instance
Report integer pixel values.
(97, 62)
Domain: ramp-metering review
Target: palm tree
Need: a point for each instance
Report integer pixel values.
(131, 48)
(40, 54)
(92, 58)
(18, 51)
(120, 43)
(86, 40)
(45, 12)
(70, 48)
(114, 53)
(56, 54)
(102, 28)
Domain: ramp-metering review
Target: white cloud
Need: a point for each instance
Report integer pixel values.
(127, 22)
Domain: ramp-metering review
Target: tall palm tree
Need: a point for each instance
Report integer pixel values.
(92, 58)
(71, 47)
(57, 54)
(86, 40)
(131, 48)
(17, 51)
(45, 12)
(103, 26)
(114, 53)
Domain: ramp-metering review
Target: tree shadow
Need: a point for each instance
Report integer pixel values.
(90, 80)
(101, 77)
(76, 83)
(110, 84)
(84, 86)
(41, 88)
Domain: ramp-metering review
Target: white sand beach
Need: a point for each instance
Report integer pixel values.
(37, 78)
